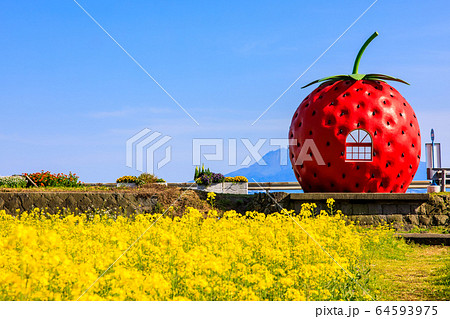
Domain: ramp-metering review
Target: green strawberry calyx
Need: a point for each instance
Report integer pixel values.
(355, 75)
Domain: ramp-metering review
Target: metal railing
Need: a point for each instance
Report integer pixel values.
(288, 186)
(267, 186)
(295, 186)
(441, 175)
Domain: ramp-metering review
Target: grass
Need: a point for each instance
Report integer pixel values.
(418, 272)
(430, 229)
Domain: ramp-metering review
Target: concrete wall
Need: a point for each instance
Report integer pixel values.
(226, 188)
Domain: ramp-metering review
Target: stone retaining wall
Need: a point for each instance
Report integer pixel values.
(128, 202)
(403, 210)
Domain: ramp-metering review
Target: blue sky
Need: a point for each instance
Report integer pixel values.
(70, 97)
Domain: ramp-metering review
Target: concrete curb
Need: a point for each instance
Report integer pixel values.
(427, 238)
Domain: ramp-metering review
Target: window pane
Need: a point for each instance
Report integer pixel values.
(366, 139)
(353, 137)
(354, 150)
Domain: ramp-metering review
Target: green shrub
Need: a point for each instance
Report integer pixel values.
(146, 178)
(199, 172)
(13, 181)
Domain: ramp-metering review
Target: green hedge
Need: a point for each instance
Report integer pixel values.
(13, 181)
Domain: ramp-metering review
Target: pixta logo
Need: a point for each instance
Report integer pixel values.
(141, 150)
(308, 152)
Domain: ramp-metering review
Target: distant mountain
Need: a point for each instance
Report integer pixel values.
(275, 172)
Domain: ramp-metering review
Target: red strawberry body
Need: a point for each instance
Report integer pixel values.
(384, 158)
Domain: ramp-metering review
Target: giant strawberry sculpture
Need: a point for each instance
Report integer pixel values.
(355, 133)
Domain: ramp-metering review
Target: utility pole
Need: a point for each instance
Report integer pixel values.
(432, 154)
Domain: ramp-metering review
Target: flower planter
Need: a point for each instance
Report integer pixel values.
(130, 185)
(214, 187)
(225, 188)
(235, 188)
(433, 189)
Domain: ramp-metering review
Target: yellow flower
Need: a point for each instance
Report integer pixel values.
(196, 256)
(211, 198)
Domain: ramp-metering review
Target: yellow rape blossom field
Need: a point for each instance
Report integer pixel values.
(194, 257)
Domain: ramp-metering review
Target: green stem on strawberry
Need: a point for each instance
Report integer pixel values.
(355, 75)
(361, 51)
